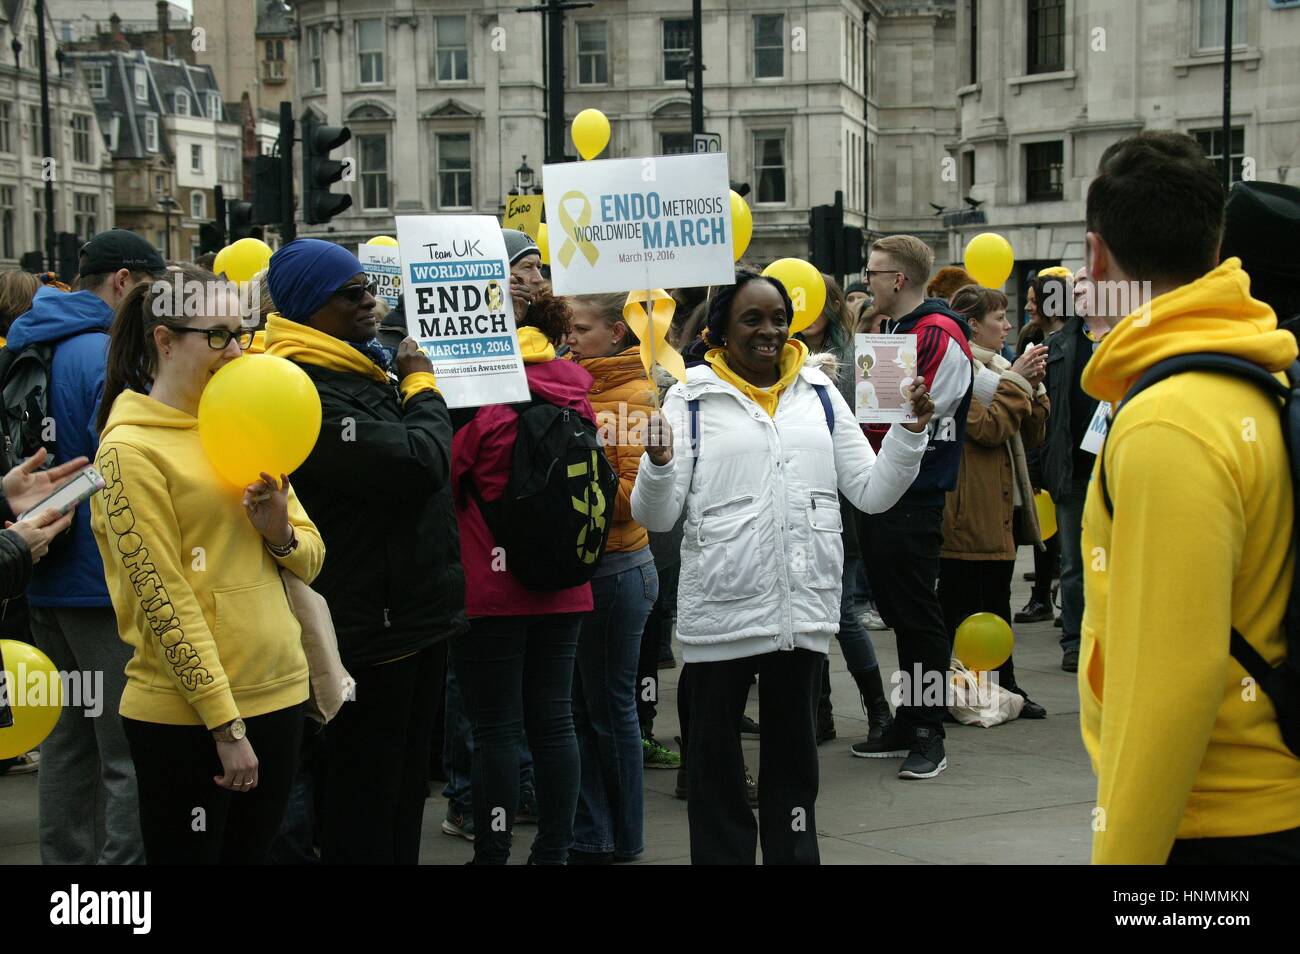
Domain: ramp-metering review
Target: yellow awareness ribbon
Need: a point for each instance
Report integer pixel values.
(494, 297)
(650, 314)
(572, 244)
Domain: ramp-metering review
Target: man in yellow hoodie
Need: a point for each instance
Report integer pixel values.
(1191, 766)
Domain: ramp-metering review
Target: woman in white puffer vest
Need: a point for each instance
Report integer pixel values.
(764, 443)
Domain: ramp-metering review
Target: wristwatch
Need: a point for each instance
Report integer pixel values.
(232, 731)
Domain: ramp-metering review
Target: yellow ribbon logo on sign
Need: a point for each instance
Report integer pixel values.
(494, 299)
(571, 242)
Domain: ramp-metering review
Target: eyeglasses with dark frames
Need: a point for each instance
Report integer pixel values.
(356, 293)
(219, 338)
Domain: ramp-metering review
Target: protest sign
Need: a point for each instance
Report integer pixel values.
(523, 212)
(884, 367)
(456, 285)
(1095, 436)
(639, 224)
(383, 266)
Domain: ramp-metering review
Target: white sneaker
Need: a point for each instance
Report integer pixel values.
(30, 762)
(872, 620)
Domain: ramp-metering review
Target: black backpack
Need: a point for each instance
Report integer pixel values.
(1281, 683)
(554, 518)
(25, 403)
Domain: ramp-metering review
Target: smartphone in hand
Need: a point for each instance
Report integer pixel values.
(84, 485)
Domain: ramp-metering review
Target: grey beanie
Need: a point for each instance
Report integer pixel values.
(518, 245)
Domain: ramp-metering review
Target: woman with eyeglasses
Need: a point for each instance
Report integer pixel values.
(392, 574)
(212, 708)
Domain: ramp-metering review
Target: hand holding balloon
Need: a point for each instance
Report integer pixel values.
(267, 506)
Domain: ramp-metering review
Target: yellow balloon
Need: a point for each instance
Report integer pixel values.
(590, 133)
(242, 260)
(984, 641)
(543, 243)
(383, 240)
(34, 694)
(1046, 514)
(805, 286)
(989, 259)
(742, 225)
(258, 413)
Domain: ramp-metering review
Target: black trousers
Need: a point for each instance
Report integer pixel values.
(185, 817)
(723, 830)
(658, 630)
(977, 586)
(375, 769)
(1275, 848)
(901, 550)
(1047, 567)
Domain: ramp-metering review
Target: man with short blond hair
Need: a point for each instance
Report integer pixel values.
(901, 546)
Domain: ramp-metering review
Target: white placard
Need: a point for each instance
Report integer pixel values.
(1095, 435)
(456, 285)
(631, 224)
(384, 267)
(884, 367)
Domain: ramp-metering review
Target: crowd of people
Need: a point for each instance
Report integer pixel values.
(752, 516)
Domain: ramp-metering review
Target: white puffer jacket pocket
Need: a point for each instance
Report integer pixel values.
(730, 557)
(825, 556)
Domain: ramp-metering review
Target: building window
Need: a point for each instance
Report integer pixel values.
(275, 50)
(370, 51)
(593, 52)
(1044, 164)
(110, 133)
(676, 143)
(454, 171)
(769, 166)
(6, 221)
(81, 139)
(314, 59)
(1211, 141)
(196, 157)
(677, 49)
(974, 42)
(871, 67)
(214, 106)
(6, 129)
(228, 163)
(86, 215)
(181, 101)
(97, 81)
(967, 171)
(151, 133)
(1046, 36)
(451, 49)
(198, 205)
(769, 46)
(374, 171)
(1209, 25)
(141, 85)
(38, 218)
(34, 127)
(159, 184)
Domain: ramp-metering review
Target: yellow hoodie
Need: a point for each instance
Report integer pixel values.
(1201, 543)
(793, 356)
(303, 344)
(197, 595)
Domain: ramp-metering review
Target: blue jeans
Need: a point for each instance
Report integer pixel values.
(518, 671)
(458, 753)
(859, 653)
(611, 800)
(1069, 520)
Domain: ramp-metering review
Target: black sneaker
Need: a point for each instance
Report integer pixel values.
(927, 759)
(1059, 622)
(748, 727)
(893, 743)
(1070, 660)
(1035, 611)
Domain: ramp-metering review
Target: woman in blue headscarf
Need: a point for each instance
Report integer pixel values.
(377, 486)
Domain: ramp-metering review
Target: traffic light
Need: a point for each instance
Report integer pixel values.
(833, 247)
(241, 221)
(69, 251)
(210, 238)
(266, 190)
(319, 171)
(851, 249)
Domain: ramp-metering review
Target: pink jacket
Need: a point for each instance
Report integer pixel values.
(481, 453)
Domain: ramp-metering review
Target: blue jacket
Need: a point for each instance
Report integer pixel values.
(71, 574)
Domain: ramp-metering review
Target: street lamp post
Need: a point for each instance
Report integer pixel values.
(168, 203)
(553, 27)
(524, 178)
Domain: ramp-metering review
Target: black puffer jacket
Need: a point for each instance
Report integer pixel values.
(377, 487)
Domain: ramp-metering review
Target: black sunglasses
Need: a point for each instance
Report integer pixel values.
(356, 293)
(218, 338)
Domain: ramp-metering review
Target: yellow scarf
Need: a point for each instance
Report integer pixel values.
(534, 346)
(793, 356)
(305, 345)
